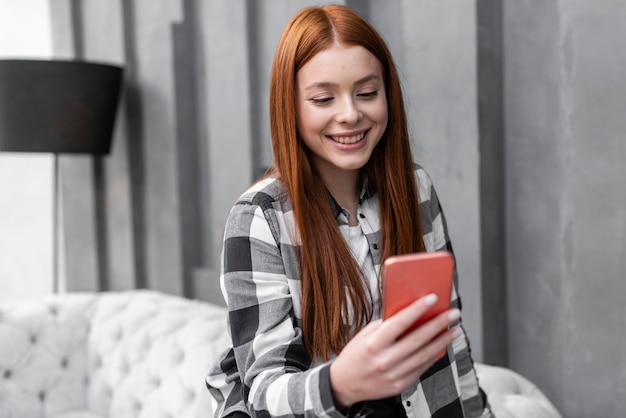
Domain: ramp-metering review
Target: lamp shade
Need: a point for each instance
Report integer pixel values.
(58, 106)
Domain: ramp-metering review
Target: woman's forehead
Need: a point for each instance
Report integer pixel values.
(339, 63)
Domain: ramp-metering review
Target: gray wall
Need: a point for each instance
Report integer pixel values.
(565, 89)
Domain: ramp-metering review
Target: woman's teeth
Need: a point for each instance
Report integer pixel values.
(348, 139)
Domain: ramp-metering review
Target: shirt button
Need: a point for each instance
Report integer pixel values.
(408, 403)
(375, 246)
(361, 216)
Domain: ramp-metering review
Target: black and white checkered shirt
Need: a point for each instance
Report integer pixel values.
(267, 371)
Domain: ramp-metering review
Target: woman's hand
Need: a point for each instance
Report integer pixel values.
(376, 364)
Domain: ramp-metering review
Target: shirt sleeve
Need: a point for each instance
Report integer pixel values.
(275, 374)
(474, 399)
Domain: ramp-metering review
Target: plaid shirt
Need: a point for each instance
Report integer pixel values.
(267, 371)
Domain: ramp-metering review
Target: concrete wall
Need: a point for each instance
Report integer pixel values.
(565, 89)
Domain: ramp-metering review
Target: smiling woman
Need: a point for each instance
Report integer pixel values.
(25, 180)
(303, 247)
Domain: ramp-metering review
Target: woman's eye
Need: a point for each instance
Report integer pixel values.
(321, 100)
(369, 94)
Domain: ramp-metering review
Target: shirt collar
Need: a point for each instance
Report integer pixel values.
(341, 214)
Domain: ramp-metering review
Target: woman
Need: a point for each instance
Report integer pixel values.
(303, 247)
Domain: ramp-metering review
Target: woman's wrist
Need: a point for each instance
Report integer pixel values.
(343, 401)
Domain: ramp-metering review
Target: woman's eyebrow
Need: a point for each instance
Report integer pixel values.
(328, 84)
(371, 77)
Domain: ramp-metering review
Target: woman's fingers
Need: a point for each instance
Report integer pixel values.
(393, 327)
(427, 336)
(432, 351)
(420, 349)
(420, 361)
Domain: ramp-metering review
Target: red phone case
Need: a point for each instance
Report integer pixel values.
(408, 277)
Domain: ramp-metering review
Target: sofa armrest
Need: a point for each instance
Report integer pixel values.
(511, 395)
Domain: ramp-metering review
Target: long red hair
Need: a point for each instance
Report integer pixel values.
(331, 280)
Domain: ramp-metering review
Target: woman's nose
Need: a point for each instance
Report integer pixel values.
(348, 112)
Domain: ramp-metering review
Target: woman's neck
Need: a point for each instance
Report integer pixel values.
(345, 189)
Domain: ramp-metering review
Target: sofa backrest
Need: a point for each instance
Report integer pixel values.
(127, 354)
(149, 354)
(43, 355)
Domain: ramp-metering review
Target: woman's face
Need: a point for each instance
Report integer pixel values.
(341, 107)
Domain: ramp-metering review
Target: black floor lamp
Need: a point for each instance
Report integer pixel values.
(59, 107)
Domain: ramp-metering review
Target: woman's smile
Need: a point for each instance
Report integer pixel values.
(348, 138)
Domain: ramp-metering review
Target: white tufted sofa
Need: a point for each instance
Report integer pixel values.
(145, 354)
(128, 354)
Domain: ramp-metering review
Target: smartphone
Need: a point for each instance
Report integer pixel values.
(409, 277)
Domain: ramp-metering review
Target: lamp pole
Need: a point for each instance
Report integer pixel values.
(55, 223)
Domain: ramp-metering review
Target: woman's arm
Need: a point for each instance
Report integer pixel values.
(273, 365)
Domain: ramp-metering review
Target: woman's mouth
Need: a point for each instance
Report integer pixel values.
(348, 139)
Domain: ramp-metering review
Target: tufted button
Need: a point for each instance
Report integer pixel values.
(33, 339)
(64, 363)
(117, 335)
(124, 367)
(7, 374)
(54, 310)
(178, 356)
(42, 396)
